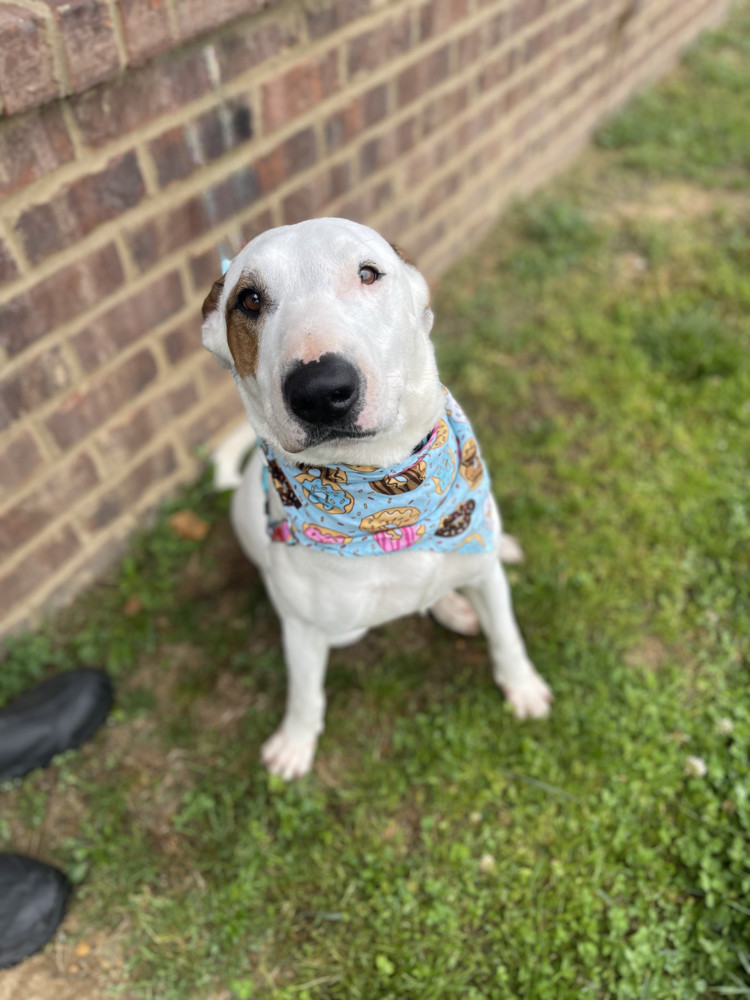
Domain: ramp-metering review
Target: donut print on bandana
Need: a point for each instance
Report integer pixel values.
(457, 522)
(406, 481)
(283, 488)
(438, 501)
(471, 464)
(322, 488)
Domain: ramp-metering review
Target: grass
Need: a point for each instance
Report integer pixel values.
(600, 338)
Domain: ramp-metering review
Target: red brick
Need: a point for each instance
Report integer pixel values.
(256, 225)
(27, 75)
(430, 158)
(375, 105)
(140, 95)
(213, 418)
(299, 89)
(88, 39)
(498, 70)
(89, 567)
(164, 234)
(19, 460)
(147, 29)
(121, 442)
(482, 39)
(90, 407)
(80, 208)
(233, 195)
(169, 232)
(439, 192)
(182, 149)
(8, 266)
(34, 512)
(185, 340)
(440, 15)
(440, 110)
(32, 385)
(114, 330)
(341, 178)
(373, 48)
(58, 298)
(37, 567)
(361, 113)
(204, 270)
(428, 239)
(308, 200)
(126, 494)
(297, 153)
(204, 267)
(526, 11)
(366, 204)
(579, 16)
(198, 16)
(421, 76)
(330, 15)
(240, 50)
(32, 146)
(379, 152)
(540, 41)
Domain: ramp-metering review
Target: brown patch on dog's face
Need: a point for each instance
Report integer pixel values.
(245, 313)
(211, 301)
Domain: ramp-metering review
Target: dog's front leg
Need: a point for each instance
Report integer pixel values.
(290, 751)
(512, 670)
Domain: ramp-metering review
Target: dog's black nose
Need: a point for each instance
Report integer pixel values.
(323, 392)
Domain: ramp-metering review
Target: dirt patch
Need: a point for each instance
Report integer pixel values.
(649, 652)
(225, 705)
(674, 200)
(71, 967)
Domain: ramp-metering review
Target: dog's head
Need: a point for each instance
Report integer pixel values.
(327, 327)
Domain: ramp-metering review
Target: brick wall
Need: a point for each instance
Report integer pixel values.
(138, 136)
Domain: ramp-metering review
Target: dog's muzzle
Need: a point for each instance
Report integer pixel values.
(325, 394)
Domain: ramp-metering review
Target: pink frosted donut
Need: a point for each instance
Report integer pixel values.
(316, 533)
(396, 539)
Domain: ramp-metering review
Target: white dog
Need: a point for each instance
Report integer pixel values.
(368, 499)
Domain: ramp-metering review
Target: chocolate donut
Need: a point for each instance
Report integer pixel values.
(283, 488)
(457, 522)
(403, 482)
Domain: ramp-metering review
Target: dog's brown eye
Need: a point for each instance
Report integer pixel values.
(368, 275)
(250, 300)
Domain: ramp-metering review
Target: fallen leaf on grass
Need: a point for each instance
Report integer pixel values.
(188, 525)
(132, 606)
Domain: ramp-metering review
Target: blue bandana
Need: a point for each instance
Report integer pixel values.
(439, 503)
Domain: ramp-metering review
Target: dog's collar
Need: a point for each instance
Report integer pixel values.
(439, 502)
(423, 442)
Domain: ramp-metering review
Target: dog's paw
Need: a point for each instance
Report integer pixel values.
(286, 757)
(530, 699)
(454, 612)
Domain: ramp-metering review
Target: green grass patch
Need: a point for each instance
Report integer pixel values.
(442, 849)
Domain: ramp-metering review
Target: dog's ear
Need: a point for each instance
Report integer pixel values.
(419, 288)
(214, 329)
(211, 301)
(402, 254)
